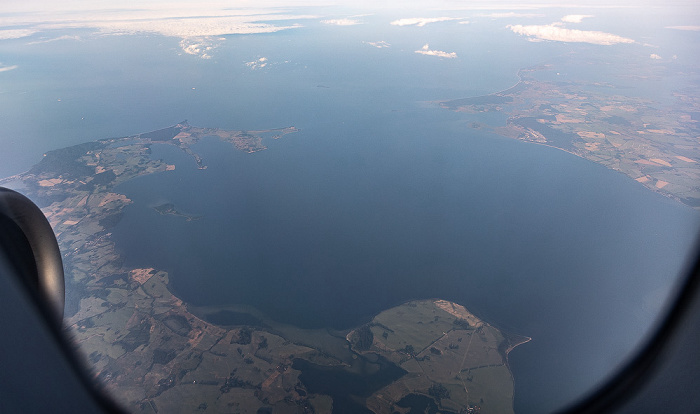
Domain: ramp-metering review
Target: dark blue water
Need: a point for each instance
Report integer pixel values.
(381, 198)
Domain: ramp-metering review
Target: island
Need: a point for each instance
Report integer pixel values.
(652, 142)
(154, 353)
(169, 209)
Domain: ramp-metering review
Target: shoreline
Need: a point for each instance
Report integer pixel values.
(652, 143)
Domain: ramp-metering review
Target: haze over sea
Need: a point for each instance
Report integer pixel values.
(382, 197)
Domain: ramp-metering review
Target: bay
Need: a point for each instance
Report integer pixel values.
(322, 232)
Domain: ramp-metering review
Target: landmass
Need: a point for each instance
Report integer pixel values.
(652, 142)
(455, 362)
(154, 353)
(169, 209)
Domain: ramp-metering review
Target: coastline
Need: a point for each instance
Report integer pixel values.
(601, 125)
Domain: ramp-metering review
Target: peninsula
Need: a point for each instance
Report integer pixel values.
(653, 143)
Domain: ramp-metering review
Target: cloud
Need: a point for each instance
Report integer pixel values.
(379, 45)
(257, 64)
(342, 22)
(509, 15)
(192, 27)
(54, 39)
(7, 68)
(575, 18)
(197, 34)
(422, 21)
(691, 28)
(425, 50)
(180, 19)
(655, 56)
(198, 46)
(15, 33)
(560, 34)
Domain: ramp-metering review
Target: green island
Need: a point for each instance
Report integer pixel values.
(653, 142)
(169, 209)
(154, 353)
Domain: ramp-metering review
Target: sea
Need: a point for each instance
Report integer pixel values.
(380, 198)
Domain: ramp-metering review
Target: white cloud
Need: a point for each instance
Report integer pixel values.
(509, 15)
(655, 56)
(422, 21)
(15, 33)
(560, 34)
(464, 22)
(185, 28)
(257, 64)
(690, 28)
(7, 68)
(342, 22)
(54, 39)
(575, 18)
(379, 45)
(198, 46)
(425, 50)
(179, 19)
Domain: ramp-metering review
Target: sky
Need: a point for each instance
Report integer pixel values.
(186, 18)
